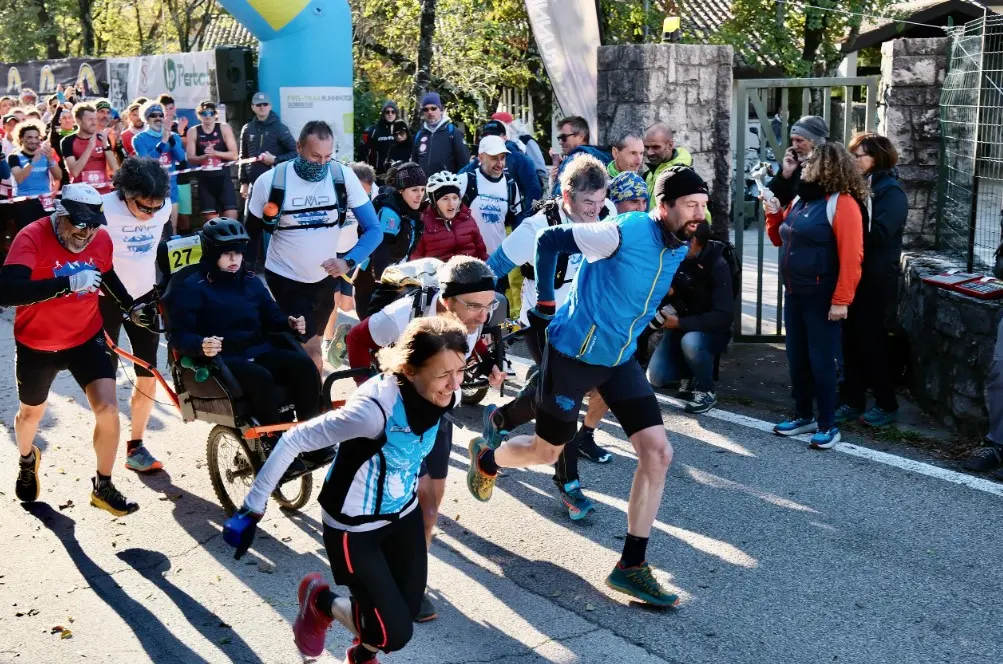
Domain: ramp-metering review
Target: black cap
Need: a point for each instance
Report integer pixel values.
(493, 128)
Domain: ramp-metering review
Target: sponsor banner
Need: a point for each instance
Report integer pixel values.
(43, 76)
(188, 77)
(299, 105)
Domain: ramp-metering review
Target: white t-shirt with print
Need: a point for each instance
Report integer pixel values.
(386, 326)
(135, 242)
(489, 209)
(298, 254)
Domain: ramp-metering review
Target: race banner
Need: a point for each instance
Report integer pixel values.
(188, 77)
(299, 105)
(567, 36)
(43, 76)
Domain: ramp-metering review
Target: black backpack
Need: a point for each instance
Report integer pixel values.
(730, 255)
(515, 201)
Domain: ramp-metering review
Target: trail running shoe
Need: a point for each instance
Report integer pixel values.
(27, 487)
(795, 425)
(685, 391)
(108, 498)
(426, 612)
(356, 643)
(141, 461)
(701, 403)
(588, 448)
(640, 583)
(490, 431)
(310, 627)
(983, 460)
(824, 439)
(578, 504)
(879, 417)
(481, 484)
(848, 414)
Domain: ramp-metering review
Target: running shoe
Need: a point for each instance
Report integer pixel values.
(879, 417)
(983, 460)
(640, 583)
(588, 448)
(848, 414)
(27, 487)
(795, 425)
(108, 498)
(490, 431)
(141, 461)
(578, 504)
(685, 391)
(310, 627)
(356, 643)
(426, 612)
(824, 439)
(481, 484)
(701, 403)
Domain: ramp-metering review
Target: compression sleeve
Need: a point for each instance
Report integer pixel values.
(550, 244)
(113, 286)
(361, 417)
(371, 234)
(18, 289)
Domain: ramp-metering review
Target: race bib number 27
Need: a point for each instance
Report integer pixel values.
(184, 251)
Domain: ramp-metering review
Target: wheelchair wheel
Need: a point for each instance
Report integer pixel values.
(472, 397)
(287, 499)
(230, 467)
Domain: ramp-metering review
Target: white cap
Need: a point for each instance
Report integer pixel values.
(492, 145)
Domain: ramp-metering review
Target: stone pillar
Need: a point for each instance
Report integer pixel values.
(689, 87)
(912, 74)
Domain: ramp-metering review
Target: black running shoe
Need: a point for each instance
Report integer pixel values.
(587, 447)
(107, 497)
(985, 459)
(27, 487)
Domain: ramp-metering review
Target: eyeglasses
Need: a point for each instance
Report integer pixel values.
(476, 308)
(155, 116)
(206, 114)
(564, 137)
(148, 210)
(429, 109)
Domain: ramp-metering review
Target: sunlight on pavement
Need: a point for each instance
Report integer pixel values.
(714, 481)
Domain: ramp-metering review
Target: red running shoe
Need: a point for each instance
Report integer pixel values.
(356, 643)
(310, 628)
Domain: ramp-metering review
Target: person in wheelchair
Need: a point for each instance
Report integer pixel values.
(220, 311)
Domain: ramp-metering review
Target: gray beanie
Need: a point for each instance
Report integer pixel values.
(811, 127)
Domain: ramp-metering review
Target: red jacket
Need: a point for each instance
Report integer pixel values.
(444, 239)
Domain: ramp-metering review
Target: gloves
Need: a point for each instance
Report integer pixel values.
(143, 314)
(539, 318)
(238, 531)
(85, 281)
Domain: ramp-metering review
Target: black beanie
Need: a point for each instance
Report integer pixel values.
(409, 175)
(678, 181)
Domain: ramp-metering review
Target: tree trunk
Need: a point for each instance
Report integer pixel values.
(86, 27)
(601, 17)
(423, 69)
(52, 50)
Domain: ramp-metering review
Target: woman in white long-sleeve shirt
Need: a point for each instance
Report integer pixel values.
(373, 530)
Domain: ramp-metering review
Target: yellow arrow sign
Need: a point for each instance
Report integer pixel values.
(278, 13)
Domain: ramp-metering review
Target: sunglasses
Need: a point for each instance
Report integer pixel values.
(390, 111)
(206, 114)
(148, 210)
(563, 137)
(84, 225)
(429, 109)
(155, 116)
(261, 105)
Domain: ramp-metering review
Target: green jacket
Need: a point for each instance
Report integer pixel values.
(680, 157)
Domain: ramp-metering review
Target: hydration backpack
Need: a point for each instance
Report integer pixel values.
(277, 196)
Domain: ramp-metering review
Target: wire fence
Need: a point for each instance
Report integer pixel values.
(971, 173)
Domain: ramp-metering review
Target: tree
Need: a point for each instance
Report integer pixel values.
(190, 19)
(423, 65)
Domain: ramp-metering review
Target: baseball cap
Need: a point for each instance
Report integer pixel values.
(493, 128)
(492, 145)
(82, 204)
(102, 105)
(260, 98)
(503, 116)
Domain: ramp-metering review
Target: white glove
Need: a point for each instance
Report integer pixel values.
(85, 281)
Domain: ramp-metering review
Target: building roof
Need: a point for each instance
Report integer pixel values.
(702, 18)
(225, 30)
(933, 13)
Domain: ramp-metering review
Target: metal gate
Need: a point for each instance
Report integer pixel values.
(760, 137)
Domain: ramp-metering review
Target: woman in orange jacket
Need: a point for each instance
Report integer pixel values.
(821, 240)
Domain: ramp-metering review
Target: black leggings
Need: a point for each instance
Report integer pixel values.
(292, 369)
(385, 570)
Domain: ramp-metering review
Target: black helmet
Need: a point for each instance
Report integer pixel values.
(221, 235)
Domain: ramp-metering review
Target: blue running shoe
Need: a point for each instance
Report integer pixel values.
(578, 504)
(879, 417)
(824, 439)
(491, 434)
(795, 425)
(848, 414)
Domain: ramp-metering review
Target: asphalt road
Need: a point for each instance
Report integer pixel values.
(780, 555)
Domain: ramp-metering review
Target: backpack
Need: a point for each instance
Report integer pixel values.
(730, 256)
(514, 198)
(414, 279)
(277, 197)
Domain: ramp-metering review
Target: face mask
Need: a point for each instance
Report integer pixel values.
(310, 171)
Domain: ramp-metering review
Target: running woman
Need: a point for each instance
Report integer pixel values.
(372, 525)
(137, 212)
(590, 344)
(53, 273)
(211, 143)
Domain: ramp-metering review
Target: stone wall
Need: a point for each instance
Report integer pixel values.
(689, 87)
(912, 73)
(951, 341)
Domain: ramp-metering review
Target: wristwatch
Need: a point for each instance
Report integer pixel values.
(350, 262)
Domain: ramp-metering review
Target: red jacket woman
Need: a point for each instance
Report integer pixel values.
(448, 228)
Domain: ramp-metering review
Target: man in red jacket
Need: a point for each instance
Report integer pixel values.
(449, 229)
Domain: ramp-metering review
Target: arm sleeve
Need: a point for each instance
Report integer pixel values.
(113, 286)
(371, 234)
(66, 146)
(359, 418)
(178, 149)
(720, 314)
(848, 227)
(287, 146)
(17, 287)
(361, 348)
(889, 217)
(244, 170)
(499, 261)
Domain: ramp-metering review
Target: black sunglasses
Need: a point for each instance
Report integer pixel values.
(207, 113)
(388, 111)
(429, 109)
(155, 116)
(262, 104)
(149, 210)
(84, 224)
(564, 137)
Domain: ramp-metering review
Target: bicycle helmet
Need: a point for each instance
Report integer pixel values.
(221, 235)
(443, 183)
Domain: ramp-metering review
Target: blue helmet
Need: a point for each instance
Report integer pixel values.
(628, 186)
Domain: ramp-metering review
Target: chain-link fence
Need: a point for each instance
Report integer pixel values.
(971, 173)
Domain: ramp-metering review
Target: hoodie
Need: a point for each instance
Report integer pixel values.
(440, 147)
(381, 140)
(268, 136)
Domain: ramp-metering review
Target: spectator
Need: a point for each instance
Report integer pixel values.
(697, 315)
(517, 130)
(135, 125)
(820, 267)
(574, 139)
(807, 134)
(399, 211)
(87, 153)
(181, 188)
(490, 191)
(265, 137)
(628, 154)
(448, 229)
(51, 104)
(103, 108)
(382, 139)
(628, 192)
(518, 165)
(439, 144)
(31, 165)
(989, 457)
(865, 334)
(158, 142)
(400, 151)
(661, 153)
(210, 144)
(6, 103)
(60, 126)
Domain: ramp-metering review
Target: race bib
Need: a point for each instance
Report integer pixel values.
(5, 189)
(95, 178)
(212, 164)
(165, 159)
(183, 251)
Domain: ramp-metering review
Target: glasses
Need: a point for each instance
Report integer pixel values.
(148, 210)
(206, 114)
(391, 111)
(262, 105)
(84, 225)
(429, 109)
(155, 116)
(476, 308)
(564, 137)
